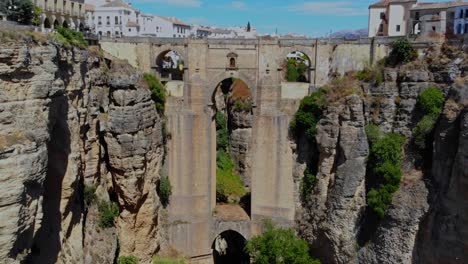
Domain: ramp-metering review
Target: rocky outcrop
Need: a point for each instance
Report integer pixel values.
(70, 118)
(423, 223)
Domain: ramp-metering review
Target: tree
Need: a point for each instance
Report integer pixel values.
(402, 52)
(36, 17)
(248, 27)
(279, 246)
(21, 11)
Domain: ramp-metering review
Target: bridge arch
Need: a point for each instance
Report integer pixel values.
(303, 60)
(170, 65)
(229, 248)
(217, 79)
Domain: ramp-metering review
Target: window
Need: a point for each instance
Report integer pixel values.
(434, 29)
(381, 28)
(99, 21)
(466, 13)
(129, 30)
(174, 35)
(416, 16)
(459, 29)
(398, 28)
(382, 15)
(108, 20)
(466, 29)
(116, 20)
(232, 63)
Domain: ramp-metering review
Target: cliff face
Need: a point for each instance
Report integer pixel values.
(423, 222)
(69, 119)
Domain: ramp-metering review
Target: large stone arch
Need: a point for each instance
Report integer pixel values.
(229, 247)
(213, 82)
(160, 49)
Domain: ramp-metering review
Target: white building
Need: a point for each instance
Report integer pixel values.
(114, 19)
(460, 19)
(173, 27)
(389, 17)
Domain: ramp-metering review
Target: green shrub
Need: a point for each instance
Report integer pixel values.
(242, 105)
(127, 260)
(373, 133)
(108, 211)
(292, 74)
(228, 183)
(385, 168)
(222, 133)
(89, 194)
(368, 74)
(165, 190)
(161, 260)
(423, 129)
(431, 101)
(402, 52)
(158, 92)
(308, 182)
(279, 246)
(310, 111)
(71, 37)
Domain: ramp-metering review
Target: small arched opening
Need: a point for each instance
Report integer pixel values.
(233, 117)
(47, 23)
(81, 27)
(65, 24)
(229, 248)
(108, 34)
(170, 66)
(56, 24)
(232, 63)
(297, 67)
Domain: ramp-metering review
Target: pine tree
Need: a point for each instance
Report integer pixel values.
(248, 27)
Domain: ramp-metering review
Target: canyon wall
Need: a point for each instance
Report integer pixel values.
(70, 118)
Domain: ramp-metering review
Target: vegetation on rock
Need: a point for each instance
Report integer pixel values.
(158, 92)
(296, 70)
(402, 52)
(430, 102)
(310, 111)
(229, 185)
(108, 211)
(69, 38)
(308, 182)
(89, 194)
(127, 260)
(280, 246)
(164, 190)
(385, 168)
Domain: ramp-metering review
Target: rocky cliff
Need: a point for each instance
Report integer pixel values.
(71, 119)
(423, 224)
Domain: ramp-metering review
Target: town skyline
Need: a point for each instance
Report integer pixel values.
(268, 17)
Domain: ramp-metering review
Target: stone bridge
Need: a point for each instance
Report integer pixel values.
(191, 163)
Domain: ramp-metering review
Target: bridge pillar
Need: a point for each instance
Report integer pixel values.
(192, 149)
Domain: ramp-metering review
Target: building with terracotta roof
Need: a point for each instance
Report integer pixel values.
(389, 17)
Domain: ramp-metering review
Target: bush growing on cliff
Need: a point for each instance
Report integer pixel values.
(431, 103)
(308, 182)
(222, 133)
(402, 52)
(164, 190)
(280, 246)
(310, 111)
(385, 168)
(108, 211)
(71, 37)
(127, 260)
(158, 92)
(89, 194)
(228, 183)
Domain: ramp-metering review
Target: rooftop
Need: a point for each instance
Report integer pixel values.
(118, 3)
(385, 3)
(441, 5)
(175, 21)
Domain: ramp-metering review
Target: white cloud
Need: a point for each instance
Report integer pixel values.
(184, 3)
(238, 5)
(341, 8)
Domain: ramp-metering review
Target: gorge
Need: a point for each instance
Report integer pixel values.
(80, 132)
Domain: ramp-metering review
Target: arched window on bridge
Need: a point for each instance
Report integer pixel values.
(229, 248)
(170, 66)
(297, 67)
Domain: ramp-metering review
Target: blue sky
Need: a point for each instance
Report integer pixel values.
(314, 18)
